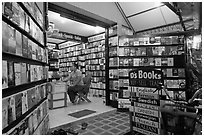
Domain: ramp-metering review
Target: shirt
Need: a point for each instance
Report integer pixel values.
(74, 77)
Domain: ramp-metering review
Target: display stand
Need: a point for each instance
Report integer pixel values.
(24, 70)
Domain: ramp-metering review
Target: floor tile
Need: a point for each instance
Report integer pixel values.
(114, 131)
(105, 121)
(98, 131)
(121, 127)
(99, 124)
(113, 124)
(89, 133)
(99, 119)
(106, 133)
(112, 119)
(106, 127)
(119, 121)
(90, 127)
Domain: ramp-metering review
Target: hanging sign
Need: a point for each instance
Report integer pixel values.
(144, 100)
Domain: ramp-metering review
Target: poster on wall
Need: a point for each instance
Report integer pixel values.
(145, 102)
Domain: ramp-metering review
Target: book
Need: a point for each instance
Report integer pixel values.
(169, 72)
(11, 75)
(115, 73)
(121, 52)
(11, 110)
(28, 74)
(136, 42)
(174, 39)
(157, 61)
(5, 36)
(4, 74)
(170, 61)
(30, 124)
(173, 50)
(18, 105)
(182, 83)
(132, 51)
(23, 73)
(149, 51)
(8, 9)
(24, 102)
(130, 61)
(164, 61)
(181, 72)
(152, 61)
(31, 97)
(17, 71)
(25, 46)
(5, 104)
(126, 62)
(123, 41)
(27, 23)
(18, 43)
(126, 52)
(15, 16)
(11, 40)
(22, 18)
(175, 72)
(35, 120)
(29, 51)
(136, 61)
(143, 51)
(164, 71)
(146, 61)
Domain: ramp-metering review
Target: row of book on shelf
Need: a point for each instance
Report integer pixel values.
(53, 54)
(100, 61)
(99, 85)
(113, 41)
(98, 79)
(14, 106)
(36, 123)
(160, 40)
(74, 48)
(95, 55)
(18, 44)
(54, 64)
(146, 61)
(98, 43)
(167, 72)
(146, 51)
(17, 73)
(95, 67)
(16, 14)
(96, 92)
(177, 84)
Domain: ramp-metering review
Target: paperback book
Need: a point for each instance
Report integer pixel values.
(5, 36)
(4, 74)
(18, 43)
(12, 40)
(18, 105)
(17, 71)
(11, 74)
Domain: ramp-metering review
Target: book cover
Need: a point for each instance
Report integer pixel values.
(164, 71)
(157, 61)
(131, 41)
(27, 23)
(8, 9)
(22, 18)
(152, 61)
(32, 73)
(121, 52)
(146, 61)
(30, 124)
(126, 62)
(31, 97)
(132, 51)
(164, 61)
(181, 72)
(175, 72)
(25, 46)
(4, 74)
(126, 52)
(121, 62)
(136, 42)
(16, 16)
(111, 85)
(23, 73)
(30, 44)
(12, 40)
(149, 51)
(175, 84)
(143, 51)
(18, 43)
(137, 52)
(28, 73)
(18, 105)
(136, 61)
(17, 71)
(130, 61)
(115, 73)
(167, 50)
(121, 83)
(5, 36)
(182, 83)
(141, 41)
(170, 61)
(5, 104)
(115, 61)
(39, 114)
(169, 72)
(35, 120)
(173, 50)
(11, 110)
(11, 74)
(174, 39)
(126, 72)
(146, 40)
(24, 102)
(37, 94)
(168, 40)
(121, 74)
(115, 96)
(170, 83)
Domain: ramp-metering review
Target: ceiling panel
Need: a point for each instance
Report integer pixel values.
(147, 20)
(131, 8)
(73, 27)
(52, 40)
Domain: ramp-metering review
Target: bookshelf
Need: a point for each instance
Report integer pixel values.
(25, 67)
(95, 63)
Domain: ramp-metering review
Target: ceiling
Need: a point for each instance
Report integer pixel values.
(139, 16)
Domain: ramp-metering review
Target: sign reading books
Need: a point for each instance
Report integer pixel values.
(145, 100)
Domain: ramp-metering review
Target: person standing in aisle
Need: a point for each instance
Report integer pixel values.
(75, 83)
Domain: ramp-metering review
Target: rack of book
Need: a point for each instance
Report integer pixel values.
(53, 55)
(24, 70)
(118, 85)
(71, 54)
(95, 63)
(165, 53)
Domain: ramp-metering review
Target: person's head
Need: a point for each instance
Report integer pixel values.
(74, 67)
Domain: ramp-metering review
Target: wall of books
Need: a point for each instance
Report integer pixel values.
(71, 54)
(166, 53)
(95, 63)
(118, 84)
(24, 70)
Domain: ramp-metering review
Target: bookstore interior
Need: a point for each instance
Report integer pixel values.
(101, 68)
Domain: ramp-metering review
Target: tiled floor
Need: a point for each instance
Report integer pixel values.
(106, 120)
